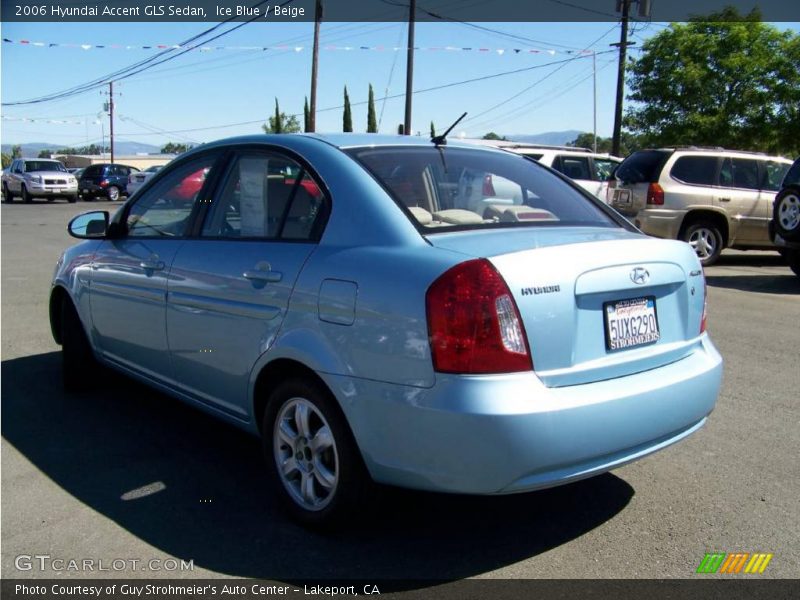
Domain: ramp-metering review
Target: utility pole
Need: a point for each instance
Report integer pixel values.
(623, 45)
(594, 88)
(312, 111)
(111, 118)
(409, 66)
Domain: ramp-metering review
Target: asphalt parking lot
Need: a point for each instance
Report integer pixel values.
(72, 466)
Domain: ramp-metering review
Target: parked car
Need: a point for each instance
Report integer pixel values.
(711, 198)
(31, 178)
(589, 170)
(105, 180)
(785, 224)
(137, 179)
(332, 295)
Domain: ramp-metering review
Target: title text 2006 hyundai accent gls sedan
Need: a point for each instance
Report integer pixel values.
(390, 309)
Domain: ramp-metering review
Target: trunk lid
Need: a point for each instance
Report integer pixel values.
(574, 286)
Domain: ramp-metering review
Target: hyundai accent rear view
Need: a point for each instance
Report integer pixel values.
(361, 304)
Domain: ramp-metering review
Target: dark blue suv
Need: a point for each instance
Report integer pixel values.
(104, 180)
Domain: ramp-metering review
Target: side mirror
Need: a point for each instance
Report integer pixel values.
(91, 225)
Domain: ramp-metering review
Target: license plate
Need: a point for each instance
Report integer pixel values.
(631, 323)
(622, 196)
(58, 190)
(85, 191)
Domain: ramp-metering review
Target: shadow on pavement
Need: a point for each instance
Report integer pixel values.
(216, 508)
(758, 273)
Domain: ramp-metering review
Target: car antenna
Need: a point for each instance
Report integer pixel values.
(441, 140)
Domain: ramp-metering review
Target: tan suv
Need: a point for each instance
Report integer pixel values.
(711, 198)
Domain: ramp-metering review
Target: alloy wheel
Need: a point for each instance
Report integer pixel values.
(789, 212)
(305, 454)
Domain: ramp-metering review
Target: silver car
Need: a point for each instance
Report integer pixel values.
(709, 197)
(30, 178)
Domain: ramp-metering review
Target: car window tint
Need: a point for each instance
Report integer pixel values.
(774, 172)
(603, 167)
(696, 170)
(164, 210)
(745, 173)
(306, 209)
(643, 166)
(574, 167)
(445, 187)
(254, 202)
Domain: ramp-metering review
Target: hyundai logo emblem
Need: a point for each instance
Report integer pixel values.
(640, 276)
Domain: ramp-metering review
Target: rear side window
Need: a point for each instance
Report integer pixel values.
(695, 170)
(739, 173)
(267, 196)
(774, 172)
(603, 168)
(643, 166)
(574, 167)
(93, 171)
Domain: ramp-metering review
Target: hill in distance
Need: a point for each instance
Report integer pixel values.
(32, 149)
(549, 138)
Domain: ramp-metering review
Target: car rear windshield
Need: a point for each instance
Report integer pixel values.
(643, 166)
(447, 187)
(32, 166)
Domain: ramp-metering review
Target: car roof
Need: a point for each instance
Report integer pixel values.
(343, 140)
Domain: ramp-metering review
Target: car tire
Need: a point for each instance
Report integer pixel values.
(786, 214)
(72, 199)
(78, 362)
(26, 197)
(113, 193)
(706, 239)
(7, 196)
(312, 459)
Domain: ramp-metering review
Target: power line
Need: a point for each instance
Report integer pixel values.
(144, 64)
(387, 97)
(528, 88)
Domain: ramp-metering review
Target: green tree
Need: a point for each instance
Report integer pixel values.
(306, 117)
(433, 131)
(372, 121)
(281, 122)
(5, 159)
(347, 117)
(173, 148)
(400, 129)
(16, 151)
(45, 153)
(722, 80)
(493, 136)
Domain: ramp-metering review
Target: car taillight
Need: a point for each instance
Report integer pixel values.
(655, 194)
(104, 183)
(705, 306)
(474, 325)
(488, 186)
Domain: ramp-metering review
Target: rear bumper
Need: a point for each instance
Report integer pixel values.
(660, 222)
(509, 433)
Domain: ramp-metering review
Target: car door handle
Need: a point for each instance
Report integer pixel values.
(152, 265)
(268, 276)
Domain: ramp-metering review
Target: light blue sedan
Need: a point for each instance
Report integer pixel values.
(392, 309)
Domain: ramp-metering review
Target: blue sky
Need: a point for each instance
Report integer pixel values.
(233, 91)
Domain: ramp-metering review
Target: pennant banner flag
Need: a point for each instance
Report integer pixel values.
(498, 51)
